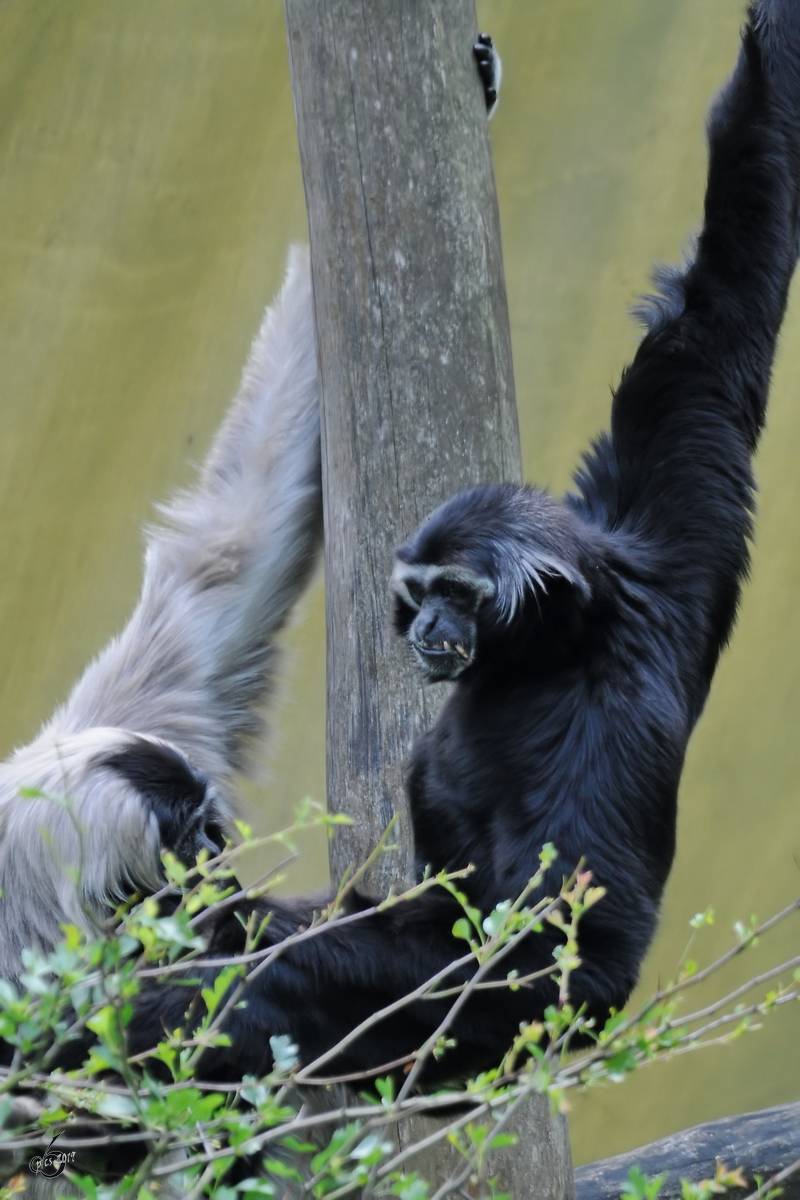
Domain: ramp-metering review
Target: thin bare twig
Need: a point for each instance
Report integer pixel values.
(517, 982)
(252, 892)
(452, 1013)
(756, 981)
(358, 1076)
(775, 1181)
(700, 976)
(381, 1015)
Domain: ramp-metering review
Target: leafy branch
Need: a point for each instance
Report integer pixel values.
(194, 1132)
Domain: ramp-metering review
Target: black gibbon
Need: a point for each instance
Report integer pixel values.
(581, 634)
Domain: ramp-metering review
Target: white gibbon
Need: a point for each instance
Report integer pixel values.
(144, 753)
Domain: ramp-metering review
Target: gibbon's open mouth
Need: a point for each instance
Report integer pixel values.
(443, 658)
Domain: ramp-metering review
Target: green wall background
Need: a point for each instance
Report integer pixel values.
(149, 186)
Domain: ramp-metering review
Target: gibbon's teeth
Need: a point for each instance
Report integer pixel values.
(446, 646)
(461, 651)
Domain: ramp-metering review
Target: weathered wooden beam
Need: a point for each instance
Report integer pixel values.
(414, 350)
(418, 397)
(761, 1143)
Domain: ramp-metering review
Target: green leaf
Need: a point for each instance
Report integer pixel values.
(639, 1187)
(285, 1053)
(86, 1184)
(548, 855)
(503, 1139)
(104, 1024)
(497, 918)
(338, 1139)
(8, 994)
(292, 1143)
(620, 1065)
(410, 1187)
(282, 1170)
(371, 1147)
(212, 996)
(102, 1059)
(252, 1188)
(119, 1107)
(702, 918)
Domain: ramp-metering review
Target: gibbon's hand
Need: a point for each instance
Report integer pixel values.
(490, 70)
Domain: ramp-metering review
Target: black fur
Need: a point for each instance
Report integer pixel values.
(179, 796)
(570, 722)
(489, 69)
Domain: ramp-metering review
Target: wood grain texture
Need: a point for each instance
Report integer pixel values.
(761, 1143)
(414, 350)
(539, 1167)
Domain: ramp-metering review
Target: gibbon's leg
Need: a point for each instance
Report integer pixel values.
(148, 741)
(319, 990)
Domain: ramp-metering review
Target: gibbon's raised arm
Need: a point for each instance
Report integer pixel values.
(145, 747)
(676, 469)
(198, 656)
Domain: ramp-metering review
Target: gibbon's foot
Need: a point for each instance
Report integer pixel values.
(181, 798)
(490, 69)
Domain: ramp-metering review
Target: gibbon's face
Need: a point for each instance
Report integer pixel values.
(436, 608)
(478, 563)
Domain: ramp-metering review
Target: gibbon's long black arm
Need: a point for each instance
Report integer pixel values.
(676, 469)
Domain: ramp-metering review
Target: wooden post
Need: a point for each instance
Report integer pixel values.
(414, 349)
(415, 360)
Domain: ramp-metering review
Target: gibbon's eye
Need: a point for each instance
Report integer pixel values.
(416, 592)
(460, 594)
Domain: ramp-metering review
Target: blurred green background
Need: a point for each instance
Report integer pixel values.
(149, 185)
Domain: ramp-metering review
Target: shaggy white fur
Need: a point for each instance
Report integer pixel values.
(197, 660)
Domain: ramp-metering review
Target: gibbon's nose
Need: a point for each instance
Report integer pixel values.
(426, 624)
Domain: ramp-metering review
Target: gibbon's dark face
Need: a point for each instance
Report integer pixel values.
(436, 608)
(491, 557)
(179, 796)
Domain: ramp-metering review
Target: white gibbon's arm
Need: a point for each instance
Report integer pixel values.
(144, 749)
